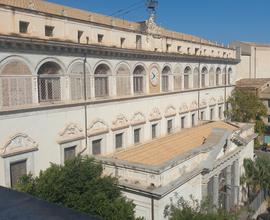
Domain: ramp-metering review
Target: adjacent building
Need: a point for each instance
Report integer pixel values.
(75, 82)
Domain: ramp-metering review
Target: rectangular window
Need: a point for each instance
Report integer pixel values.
(202, 116)
(186, 81)
(219, 112)
(179, 49)
(169, 126)
(193, 120)
(154, 131)
(203, 80)
(96, 147)
(80, 33)
(183, 122)
(69, 153)
(100, 38)
(23, 26)
(211, 114)
(196, 51)
(138, 42)
(122, 41)
(188, 50)
(268, 101)
(17, 170)
(268, 119)
(49, 31)
(168, 47)
(137, 136)
(119, 140)
(87, 40)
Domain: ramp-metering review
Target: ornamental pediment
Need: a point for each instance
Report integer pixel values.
(71, 132)
(184, 108)
(120, 122)
(170, 111)
(203, 104)
(193, 106)
(17, 144)
(138, 118)
(220, 99)
(212, 101)
(155, 115)
(97, 127)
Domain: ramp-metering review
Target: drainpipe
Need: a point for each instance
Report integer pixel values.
(85, 104)
(152, 208)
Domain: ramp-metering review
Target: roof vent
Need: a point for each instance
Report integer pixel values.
(31, 5)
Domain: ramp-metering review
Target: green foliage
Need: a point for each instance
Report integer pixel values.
(245, 107)
(194, 210)
(257, 174)
(79, 184)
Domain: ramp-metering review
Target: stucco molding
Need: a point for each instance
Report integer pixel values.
(97, 127)
(193, 106)
(203, 103)
(120, 122)
(170, 111)
(155, 115)
(71, 132)
(137, 119)
(220, 99)
(212, 101)
(18, 143)
(184, 108)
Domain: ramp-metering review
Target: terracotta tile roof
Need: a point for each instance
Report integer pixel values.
(60, 10)
(166, 148)
(252, 83)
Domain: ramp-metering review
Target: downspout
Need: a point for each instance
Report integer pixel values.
(85, 104)
(152, 208)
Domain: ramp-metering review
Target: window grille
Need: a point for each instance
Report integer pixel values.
(69, 153)
(17, 170)
(196, 78)
(49, 31)
(96, 147)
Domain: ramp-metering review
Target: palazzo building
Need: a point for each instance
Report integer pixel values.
(75, 82)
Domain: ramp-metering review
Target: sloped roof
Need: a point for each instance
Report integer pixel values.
(68, 12)
(252, 83)
(163, 149)
(21, 206)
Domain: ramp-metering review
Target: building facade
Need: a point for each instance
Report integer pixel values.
(75, 82)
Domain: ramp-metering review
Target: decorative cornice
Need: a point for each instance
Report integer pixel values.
(97, 127)
(170, 111)
(155, 115)
(56, 47)
(17, 144)
(183, 108)
(120, 122)
(137, 119)
(71, 132)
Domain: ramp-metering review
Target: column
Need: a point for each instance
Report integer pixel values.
(228, 187)
(236, 182)
(215, 191)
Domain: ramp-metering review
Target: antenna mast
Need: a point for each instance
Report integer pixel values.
(151, 7)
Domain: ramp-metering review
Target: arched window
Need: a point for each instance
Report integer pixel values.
(229, 76)
(218, 72)
(15, 84)
(224, 76)
(101, 80)
(177, 79)
(138, 80)
(196, 78)
(165, 78)
(123, 80)
(187, 73)
(49, 85)
(212, 77)
(77, 81)
(203, 77)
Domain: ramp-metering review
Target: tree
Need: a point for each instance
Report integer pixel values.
(245, 107)
(194, 210)
(79, 184)
(257, 175)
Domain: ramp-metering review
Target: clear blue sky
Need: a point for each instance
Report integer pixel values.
(218, 20)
